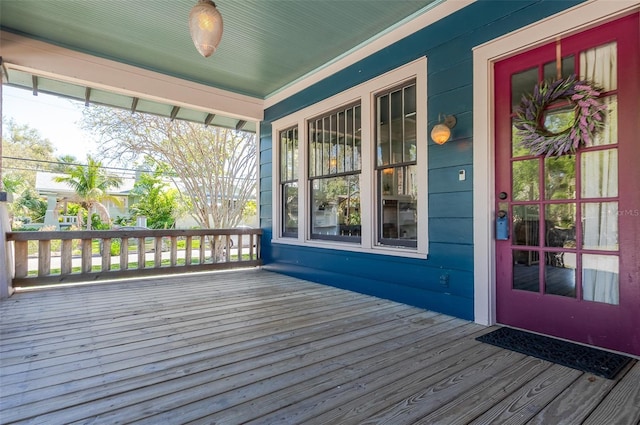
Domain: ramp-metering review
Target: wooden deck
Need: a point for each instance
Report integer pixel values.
(261, 348)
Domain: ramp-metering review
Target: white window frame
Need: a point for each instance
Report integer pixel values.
(364, 93)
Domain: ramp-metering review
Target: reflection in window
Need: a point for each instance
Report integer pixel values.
(334, 171)
(289, 181)
(567, 66)
(560, 225)
(399, 206)
(396, 159)
(335, 205)
(526, 225)
(525, 180)
(560, 274)
(558, 120)
(560, 177)
(521, 84)
(526, 271)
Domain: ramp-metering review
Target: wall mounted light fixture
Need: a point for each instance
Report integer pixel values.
(205, 26)
(441, 132)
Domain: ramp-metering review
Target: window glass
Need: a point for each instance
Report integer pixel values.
(289, 181)
(396, 166)
(334, 171)
(335, 206)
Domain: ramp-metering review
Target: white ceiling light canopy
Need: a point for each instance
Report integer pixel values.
(205, 26)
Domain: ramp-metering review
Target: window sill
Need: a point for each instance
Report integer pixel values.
(354, 247)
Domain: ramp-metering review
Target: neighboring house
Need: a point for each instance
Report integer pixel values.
(354, 193)
(59, 194)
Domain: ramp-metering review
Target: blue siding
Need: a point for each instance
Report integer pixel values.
(444, 281)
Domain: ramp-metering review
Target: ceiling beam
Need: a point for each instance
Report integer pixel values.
(61, 64)
(208, 120)
(5, 71)
(240, 125)
(174, 112)
(87, 96)
(34, 84)
(134, 105)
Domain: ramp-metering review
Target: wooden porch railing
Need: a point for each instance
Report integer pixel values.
(75, 256)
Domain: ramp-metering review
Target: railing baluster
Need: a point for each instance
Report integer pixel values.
(174, 250)
(106, 255)
(157, 256)
(141, 254)
(66, 257)
(124, 254)
(188, 251)
(87, 256)
(22, 258)
(44, 258)
(203, 247)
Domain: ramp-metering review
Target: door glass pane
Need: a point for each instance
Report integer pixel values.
(600, 65)
(568, 68)
(600, 278)
(525, 180)
(609, 134)
(526, 275)
(560, 177)
(522, 83)
(600, 226)
(600, 174)
(560, 274)
(516, 143)
(558, 120)
(560, 225)
(526, 225)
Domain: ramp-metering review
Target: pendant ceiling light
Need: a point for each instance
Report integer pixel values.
(205, 26)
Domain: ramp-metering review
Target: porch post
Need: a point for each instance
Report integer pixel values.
(6, 250)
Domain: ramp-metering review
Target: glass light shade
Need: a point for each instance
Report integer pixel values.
(440, 133)
(205, 26)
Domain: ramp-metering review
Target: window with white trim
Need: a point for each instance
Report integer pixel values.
(289, 181)
(361, 168)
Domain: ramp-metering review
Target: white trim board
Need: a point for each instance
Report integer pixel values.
(578, 18)
(58, 63)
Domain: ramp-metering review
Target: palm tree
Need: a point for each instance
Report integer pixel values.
(91, 184)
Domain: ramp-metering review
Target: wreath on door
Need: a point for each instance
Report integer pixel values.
(587, 122)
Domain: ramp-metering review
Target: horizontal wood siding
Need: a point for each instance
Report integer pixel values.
(448, 45)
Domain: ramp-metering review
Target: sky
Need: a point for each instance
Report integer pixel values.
(57, 119)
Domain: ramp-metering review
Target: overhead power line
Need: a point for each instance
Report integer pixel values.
(67, 163)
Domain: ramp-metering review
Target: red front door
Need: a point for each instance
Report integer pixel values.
(571, 264)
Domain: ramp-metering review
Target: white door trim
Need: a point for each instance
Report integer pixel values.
(578, 18)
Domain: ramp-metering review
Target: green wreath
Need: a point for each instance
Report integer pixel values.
(588, 121)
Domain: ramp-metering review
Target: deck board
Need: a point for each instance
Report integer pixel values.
(254, 347)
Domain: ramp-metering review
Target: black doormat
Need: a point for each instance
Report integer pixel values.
(586, 359)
